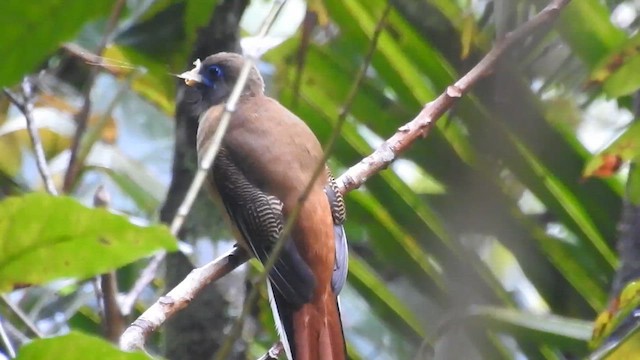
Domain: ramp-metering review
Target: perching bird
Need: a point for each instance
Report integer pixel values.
(266, 160)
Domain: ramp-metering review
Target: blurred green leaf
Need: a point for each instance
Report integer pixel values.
(132, 177)
(618, 312)
(571, 206)
(44, 238)
(151, 78)
(86, 320)
(626, 348)
(33, 30)
(553, 330)
(626, 147)
(383, 301)
(75, 346)
(586, 26)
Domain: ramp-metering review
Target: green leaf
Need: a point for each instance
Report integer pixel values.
(562, 332)
(388, 306)
(570, 205)
(44, 238)
(391, 240)
(626, 348)
(619, 311)
(619, 71)
(32, 30)
(585, 25)
(626, 147)
(75, 346)
(132, 177)
(149, 78)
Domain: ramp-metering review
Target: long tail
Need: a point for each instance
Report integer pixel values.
(312, 332)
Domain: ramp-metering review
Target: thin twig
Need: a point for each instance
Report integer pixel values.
(16, 335)
(293, 215)
(5, 340)
(22, 316)
(277, 348)
(207, 160)
(112, 319)
(112, 66)
(146, 277)
(26, 108)
(83, 115)
(216, 141)
(309, 23)
(178, 298)
(344, 110)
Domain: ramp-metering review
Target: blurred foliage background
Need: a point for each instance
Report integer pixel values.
(492, 238)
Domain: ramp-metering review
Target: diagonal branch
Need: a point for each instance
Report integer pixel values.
(420, 126)
(21, 315)
(5, 340)
(26, 108)
(354, 177)
(179, 297)
(83, 116)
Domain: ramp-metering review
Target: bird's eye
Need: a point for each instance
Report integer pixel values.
(215, 72)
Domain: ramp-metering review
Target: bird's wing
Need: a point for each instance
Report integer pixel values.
(259, 219)
(338, 211)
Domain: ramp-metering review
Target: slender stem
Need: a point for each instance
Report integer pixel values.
(207, 160)
(344, 110)
(5, 340)
(293, 216)
(229, 109)
(26, 108)
(146, 277)
(107, 288)
(22, 316)
(83, 115)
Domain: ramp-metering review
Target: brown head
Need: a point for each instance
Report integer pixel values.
(212, 80)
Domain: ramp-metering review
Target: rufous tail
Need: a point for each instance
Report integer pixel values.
(312, 331)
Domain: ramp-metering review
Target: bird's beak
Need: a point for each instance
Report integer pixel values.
(193, 77)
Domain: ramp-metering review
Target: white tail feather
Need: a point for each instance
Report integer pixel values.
(279, 326)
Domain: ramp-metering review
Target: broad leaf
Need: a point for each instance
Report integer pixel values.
(44, 238)
(32, 30)
(565, 333)
(75, 346)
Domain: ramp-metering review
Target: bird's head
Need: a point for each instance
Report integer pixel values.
(211, 81)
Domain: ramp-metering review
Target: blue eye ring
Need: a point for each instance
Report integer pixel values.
(214, 71)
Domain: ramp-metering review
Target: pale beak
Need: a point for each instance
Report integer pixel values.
(193, 77)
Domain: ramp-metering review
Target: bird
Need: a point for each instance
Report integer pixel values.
(266, 159)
